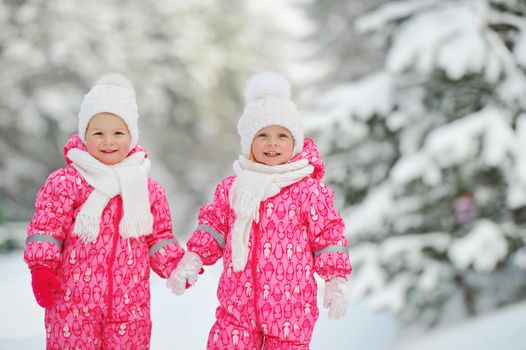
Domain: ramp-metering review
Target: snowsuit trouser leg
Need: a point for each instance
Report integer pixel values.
(70, 332)
(276, 344)
(227, 334)
(134, 335)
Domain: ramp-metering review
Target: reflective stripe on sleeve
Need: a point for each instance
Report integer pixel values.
(220, 240)
(161, 244)
(332, 249)
(43, 238)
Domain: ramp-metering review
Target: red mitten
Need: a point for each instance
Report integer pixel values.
(43, 281)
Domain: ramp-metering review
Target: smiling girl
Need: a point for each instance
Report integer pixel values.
(274, 224)
(100, 224)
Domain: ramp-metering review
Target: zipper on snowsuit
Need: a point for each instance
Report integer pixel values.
(255, 281)
(111, 260)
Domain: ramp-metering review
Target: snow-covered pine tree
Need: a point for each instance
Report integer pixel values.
(427, 156)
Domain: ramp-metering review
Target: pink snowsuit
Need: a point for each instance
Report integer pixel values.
(274, 299)
(105, 299)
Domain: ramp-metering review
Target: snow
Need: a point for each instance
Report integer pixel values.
(517, 190)
(442, 119)
(463, 46)
(484, 247)
(367, 274)
(502, 330)
(393, 296)
(390, 12)
(179, 322)
(457, 143)
(372, 213)
(411, 246)
(362, 99)
(520, 49)
(457, 48)
(413, 167)
(391, 293)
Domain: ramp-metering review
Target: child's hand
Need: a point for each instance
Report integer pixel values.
(335, 297)
(185, 274)
(44, 281)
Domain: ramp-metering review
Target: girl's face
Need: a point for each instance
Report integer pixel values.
(272, 145)
(108, 138)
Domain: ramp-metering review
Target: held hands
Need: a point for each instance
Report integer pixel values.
(185, 274)
(44, 281)
(335, 298)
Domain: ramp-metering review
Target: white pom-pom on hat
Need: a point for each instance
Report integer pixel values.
(268, 102)
(112, 93)
(266, 84)
(115, 79)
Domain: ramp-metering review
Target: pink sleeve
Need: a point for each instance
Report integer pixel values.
(208, 240)
(328, 243)
(54, 214)
(165, 250)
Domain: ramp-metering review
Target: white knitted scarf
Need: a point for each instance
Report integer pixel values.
(254, 183)
(128, 178)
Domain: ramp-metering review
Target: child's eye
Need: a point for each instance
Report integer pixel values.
(262, 135)
(284, 136)
(119, 133)
(98, 133)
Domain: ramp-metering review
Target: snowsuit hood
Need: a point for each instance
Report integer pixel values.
(311, 153)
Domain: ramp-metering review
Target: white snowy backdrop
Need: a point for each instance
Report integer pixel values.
(419, 108)
(427, 152)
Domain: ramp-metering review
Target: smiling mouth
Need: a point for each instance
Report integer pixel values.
(108, 151)
(272, 154)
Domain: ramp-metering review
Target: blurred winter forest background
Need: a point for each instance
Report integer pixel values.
(418, 106)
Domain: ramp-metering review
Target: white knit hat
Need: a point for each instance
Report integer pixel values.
(112, 93)
(268, 102)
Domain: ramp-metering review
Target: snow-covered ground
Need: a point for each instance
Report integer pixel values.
(501, 330)
(183, 322)
(179, 322)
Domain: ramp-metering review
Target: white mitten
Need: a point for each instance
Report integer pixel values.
(185, 274)
(335, 297)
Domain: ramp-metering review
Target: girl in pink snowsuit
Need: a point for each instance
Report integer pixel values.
(274, 225)
(100, 224)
